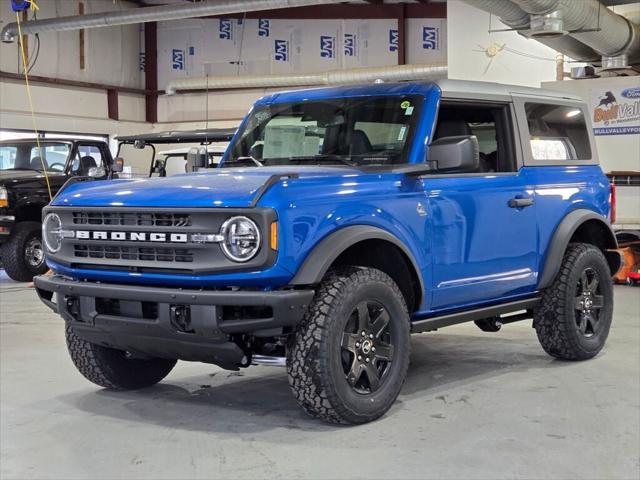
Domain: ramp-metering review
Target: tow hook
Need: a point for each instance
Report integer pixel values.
(73, 307)
(180, 316)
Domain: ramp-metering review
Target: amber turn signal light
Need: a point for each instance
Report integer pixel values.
(273, 236)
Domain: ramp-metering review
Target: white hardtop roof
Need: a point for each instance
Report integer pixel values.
(185, 150)
(469, 88)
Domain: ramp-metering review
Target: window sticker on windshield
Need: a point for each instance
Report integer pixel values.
(408, 111)
(406, 104)
(401, 133)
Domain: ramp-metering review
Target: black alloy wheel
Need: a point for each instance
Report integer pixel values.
(574, 316)
(367, 347)
(349, 356)
(588, 302)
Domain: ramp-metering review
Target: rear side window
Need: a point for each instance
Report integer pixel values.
(557, 132)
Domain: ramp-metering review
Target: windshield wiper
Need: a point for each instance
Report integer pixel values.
(243, 159)
(322, 158)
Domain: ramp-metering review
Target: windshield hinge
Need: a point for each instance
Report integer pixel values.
(271, 181)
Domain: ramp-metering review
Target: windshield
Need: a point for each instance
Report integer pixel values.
(27, 156)
(353, 131)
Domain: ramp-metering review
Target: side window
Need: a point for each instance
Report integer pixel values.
(557, 132)
(8, 154)
(490, 124)
(51, 157)
(87, 157)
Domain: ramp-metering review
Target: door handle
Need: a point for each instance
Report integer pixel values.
(520, 202)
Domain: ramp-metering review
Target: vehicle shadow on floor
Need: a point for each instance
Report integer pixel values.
(260, 399)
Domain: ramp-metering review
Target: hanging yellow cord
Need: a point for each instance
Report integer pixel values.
(33, 114)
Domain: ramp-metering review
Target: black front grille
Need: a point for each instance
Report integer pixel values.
(147, 254)
(132, 219)
(116, 248)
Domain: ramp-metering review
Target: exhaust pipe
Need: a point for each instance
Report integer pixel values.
(151, 14)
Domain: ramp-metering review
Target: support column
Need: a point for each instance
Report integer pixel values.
(151, 70)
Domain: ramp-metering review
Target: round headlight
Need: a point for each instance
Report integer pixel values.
(52, 232)
(241, 239)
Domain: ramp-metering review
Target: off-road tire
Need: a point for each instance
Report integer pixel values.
(13, 252)
(555, 319)
(110, 368)
(320, 388)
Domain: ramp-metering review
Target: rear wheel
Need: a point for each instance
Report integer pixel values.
(349, 357)
(115, 369)
(574, 317)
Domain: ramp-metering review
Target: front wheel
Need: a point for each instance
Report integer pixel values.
(349, 357)
(115, 369)
(574, 317)
(23, 253)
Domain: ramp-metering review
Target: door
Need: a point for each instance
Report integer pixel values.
(483, 223)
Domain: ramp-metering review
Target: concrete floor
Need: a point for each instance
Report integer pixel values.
(475, 405)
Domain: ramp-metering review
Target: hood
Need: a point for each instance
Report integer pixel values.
(13, 176)
(16, 177)
(232, 187)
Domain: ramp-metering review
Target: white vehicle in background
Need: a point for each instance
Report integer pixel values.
(174, 161)
(205, 150)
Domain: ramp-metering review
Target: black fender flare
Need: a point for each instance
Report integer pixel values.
(323, 255)
(560, 241)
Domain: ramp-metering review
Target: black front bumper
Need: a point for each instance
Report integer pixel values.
(172, 322)
(6, 225)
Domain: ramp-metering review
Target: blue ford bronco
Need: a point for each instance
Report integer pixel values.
(340, 221)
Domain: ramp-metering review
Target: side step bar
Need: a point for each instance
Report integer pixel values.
(433, 323)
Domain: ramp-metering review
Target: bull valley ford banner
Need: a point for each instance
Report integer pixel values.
(616, 111)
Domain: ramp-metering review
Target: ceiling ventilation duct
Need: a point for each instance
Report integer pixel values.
(515, 17)
(151, 14)
(614, 37)
(334, 77)
(547, 25)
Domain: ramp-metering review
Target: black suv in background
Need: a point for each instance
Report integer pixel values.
(24, 192)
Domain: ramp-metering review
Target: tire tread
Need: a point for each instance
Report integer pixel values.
(93, 362)
(551, 321)
(307, 361)
(13, 255)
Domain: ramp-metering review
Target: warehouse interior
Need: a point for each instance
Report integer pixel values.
(159, 88)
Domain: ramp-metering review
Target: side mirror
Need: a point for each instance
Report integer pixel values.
(97, 172)
(196, 158)
(455, 154)
(202, 158)
(118, 165)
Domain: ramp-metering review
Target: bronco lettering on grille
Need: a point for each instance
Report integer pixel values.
(132, 236)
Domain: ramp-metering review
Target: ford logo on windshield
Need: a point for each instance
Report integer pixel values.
(633, 92)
